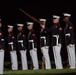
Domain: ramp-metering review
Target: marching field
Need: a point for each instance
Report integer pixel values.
(65, 71)
(42, 72)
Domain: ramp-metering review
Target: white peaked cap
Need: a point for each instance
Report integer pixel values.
(10, 26)
(29, 23)
(20, 24)
(55, 16)
(66, 14)
(42, 19)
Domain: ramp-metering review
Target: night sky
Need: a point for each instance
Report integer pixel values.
(10, 14)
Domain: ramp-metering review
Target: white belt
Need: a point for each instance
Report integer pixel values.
(32, 41)
(67, 34)
(57, 37)
(11, 43)
(2, 39)
(21, 41)
(43, 37)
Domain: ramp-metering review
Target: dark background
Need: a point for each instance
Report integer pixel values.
(10, 14)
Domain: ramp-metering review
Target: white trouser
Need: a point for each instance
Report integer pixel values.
(57, 57)
(1, 61)
(33, 54)
(71, 56)
(24, 59)
(14, 60)
(45, 52)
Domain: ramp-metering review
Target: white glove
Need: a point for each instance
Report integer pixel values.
(59, 45)
(70, 45)
(35, 49)
(46, 47)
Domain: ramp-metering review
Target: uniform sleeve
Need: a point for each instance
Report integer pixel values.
(71, 29)
(18, 43)
(47, 37)
(60, 31)
(14, 42)
(24, 41)
(35, 40)
(2, 43)
(50, 29)
(47, 40)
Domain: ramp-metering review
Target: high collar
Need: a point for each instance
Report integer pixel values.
(20, 31)
(30, 30)
(43, 26)
(56, 24)
(10, 33)
(68, 22)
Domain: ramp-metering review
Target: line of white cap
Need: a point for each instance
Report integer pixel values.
(66, 14)
(20, 24)
(29, 23)
(55, 16)
(10, 26)
(42, 19)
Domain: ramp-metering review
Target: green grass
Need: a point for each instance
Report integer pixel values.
(40, 71)
(36, 72)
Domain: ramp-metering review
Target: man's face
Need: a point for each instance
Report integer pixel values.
(30, 27)
(66, 19)
(20, 28)
(55, 20)
(10, 30)
(0, 24)
(43, 22)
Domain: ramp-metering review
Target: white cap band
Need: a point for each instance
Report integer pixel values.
(10, 26)
(66, 14)
(29, 23)
(20, 24)
(42, 19)
(55, 16)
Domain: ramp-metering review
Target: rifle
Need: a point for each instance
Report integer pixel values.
(33, 18)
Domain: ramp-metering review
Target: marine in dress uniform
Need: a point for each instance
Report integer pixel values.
(56, 41)
(12, 48)
(2, 48)
(44, 44)
(22, 46)
(32, 45)
(70, 40)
